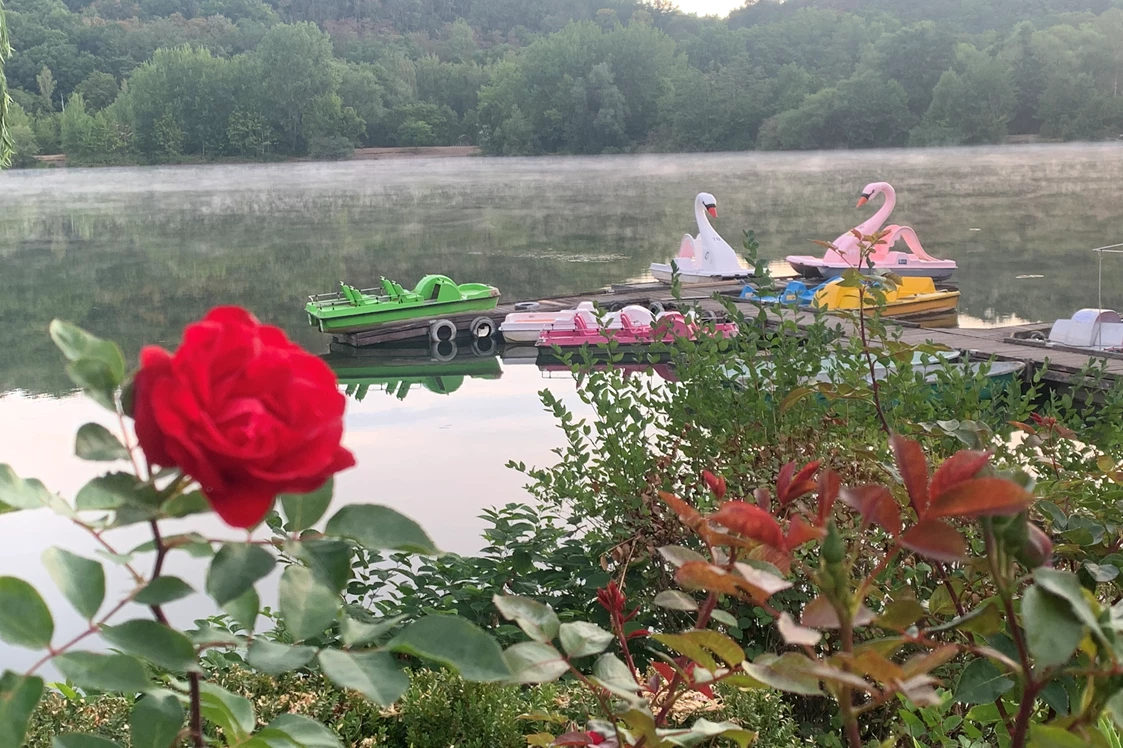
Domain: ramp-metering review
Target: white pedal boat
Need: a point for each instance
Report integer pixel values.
(706, 258)
(527, 327)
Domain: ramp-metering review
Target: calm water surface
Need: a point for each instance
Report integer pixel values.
(135, 254)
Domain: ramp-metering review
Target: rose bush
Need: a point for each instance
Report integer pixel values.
(235, 417)
(244, 411)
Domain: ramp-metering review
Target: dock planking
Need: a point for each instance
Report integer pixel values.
(1062, 366)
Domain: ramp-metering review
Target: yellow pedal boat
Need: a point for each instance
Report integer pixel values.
(913, 296)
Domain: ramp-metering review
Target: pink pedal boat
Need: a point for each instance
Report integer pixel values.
(637, 327)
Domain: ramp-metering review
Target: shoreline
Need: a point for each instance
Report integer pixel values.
(58, 160)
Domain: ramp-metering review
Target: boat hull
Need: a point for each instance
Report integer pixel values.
(905, 271)
(663, 274)
(355, 320)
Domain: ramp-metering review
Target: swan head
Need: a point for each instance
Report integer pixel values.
(872, 190)
(708, 201)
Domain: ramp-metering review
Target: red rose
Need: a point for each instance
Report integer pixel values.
(244, 411)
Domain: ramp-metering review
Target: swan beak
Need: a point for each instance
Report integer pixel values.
(863, 200)
(712, 210)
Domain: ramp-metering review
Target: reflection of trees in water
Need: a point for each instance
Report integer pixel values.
(137, 265)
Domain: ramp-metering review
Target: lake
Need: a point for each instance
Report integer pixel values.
(134, 254)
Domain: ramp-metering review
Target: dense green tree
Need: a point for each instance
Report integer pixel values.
(6, 146)
(976, 99)
(915, 57)
(99, 90)
(295, 68)
(23, 143)
(165, 80)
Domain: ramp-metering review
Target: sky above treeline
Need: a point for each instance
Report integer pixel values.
(709, 7)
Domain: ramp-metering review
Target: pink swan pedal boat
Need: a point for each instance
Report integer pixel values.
(637, 327)
(916, 263)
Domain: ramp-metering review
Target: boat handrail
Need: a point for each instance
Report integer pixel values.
(1112, 249)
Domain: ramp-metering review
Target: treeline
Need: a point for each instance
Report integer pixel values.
(121, 81)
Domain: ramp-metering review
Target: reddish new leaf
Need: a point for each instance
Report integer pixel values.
(763, 499)
(574, 738)
(876, 505)
(716, 484)
(819, 614)
(935, 539)
(1023, 427)
(799, 532)
(913, 469)
(700, 575)
(750, 521)
(687, 514)
(783, 480)
(829, 484)
(961, 466)
(791, 485)
(981, 497)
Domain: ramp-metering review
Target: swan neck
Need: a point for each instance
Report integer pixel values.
(700, 217)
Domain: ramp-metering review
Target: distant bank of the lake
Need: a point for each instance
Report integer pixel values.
(360, 154)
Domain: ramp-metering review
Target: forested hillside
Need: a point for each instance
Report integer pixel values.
(119, 81)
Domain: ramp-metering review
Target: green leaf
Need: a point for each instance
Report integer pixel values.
(1053, 631)
(375, 675)
(454, 642)
(329, 560)
(1065, 584)
(537, 620)
(581, 639)
(25, 620)
(675, 600)
(677, 555)
(981, 683)
(695, 643)
(185, 505)
(80, 740)
(235, 569)
(163, 590)
(305, 509)
(1101, 572)
(535, 662)
(19, 695)
(116, 490)
(307, 733)
(155, 720)
(785, 673)
(703, 730)
(16, 493)
(1056, 697)
(97, 443)
(1044, 736)
(233, 713)
(77, 344)
(355, 632)
(153, 641)
(722, 616)
(96, 379)
(900, 614)
(244, 609)
(274, 658)
(308, 606)
(379, 528)
(81, 581)
(103, 672)
(614, 675)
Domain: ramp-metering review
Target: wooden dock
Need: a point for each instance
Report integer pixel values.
(1063, 366)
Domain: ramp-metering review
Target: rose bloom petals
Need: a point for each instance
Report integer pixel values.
(244, 411)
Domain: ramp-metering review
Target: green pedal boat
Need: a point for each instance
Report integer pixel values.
(351, 309)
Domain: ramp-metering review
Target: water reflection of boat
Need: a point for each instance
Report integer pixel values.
(441, 368)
